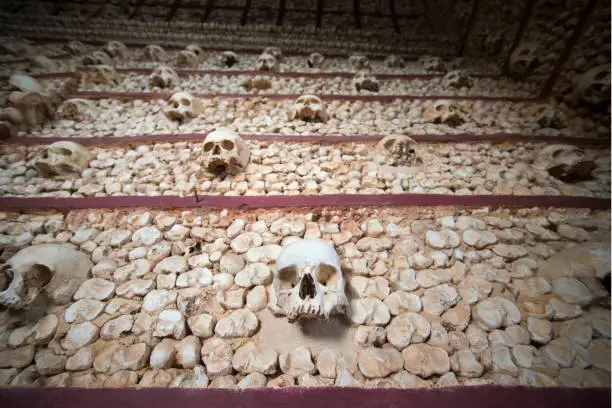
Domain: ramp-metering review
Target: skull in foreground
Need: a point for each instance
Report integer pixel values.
(62, 159)
(182, 105)
(55, 270)
(400, 150)
(224, 151)
(308, 281)
(309, 108)
(566, 163)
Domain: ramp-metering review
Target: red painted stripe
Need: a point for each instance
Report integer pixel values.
(292, 201)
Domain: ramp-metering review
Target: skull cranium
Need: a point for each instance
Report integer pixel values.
(183, 105)
(228, 59)
(224, 151)
(444, 112)
(267, 62)
(566, 163)
(164, 77)
(153, 52)
(186, 59)
(593, 87)
(62, 159)
(315, 60)
(196, 49)
(116, 49)
(399, 149)
(365, 80)
(76, 109)
(309, 108)
(54, 270)
(457, 79)
(100, 75)
(308, 281)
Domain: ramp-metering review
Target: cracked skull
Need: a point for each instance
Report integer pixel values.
(153, 52)
(54, 270)
(524, 59)
(315, 60)
(457, 79)
(365, 80)
(267, 62)
(444, 112)
(308, 281)
(224, 151)
(164, 77)
(399, 149)
(183, 105)
(228, 59)
(309, 108)
(62, 159)
(593, 87)
(566, 163)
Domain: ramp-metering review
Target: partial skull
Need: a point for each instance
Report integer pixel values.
(365, 80)
(315, 60)
(267, 62)
(224, 151)
(186, 59)
(197, 50)
(308, 281)
(75, 47)
(566, 163)
(457, 79)
(277, 52)
(97, 58)
(56, 271)
(524, 59)
(359, 62)
(394, 61)
(100, 75)
(258, 83)
(116, 49)
(444, 112)
(401, 150)
(593, 87)
(183, 105)
(433, 64)
(75, 109)
(228, 59)
(153, 52)
(164, 77)
(309, 108)
(62, 159)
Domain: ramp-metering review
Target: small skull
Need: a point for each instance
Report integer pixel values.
(196, 49)
(315, 60)
(228, 59)
(33, 106)
(258, 83)
(277, 52)
(308, 281)
(365, 80)
(100, 75)
(224, 151)
(186, 59)
(394, 61)
(399, 149)
(153, 52)
(54, 270)
(309, 108)
(524, 59)
(97, 58)
(116, 49)
(359, 62)
(432, 64)
(457, 79)
(62, 159)
(183, 105)
(164, 77)
(444, 112)
(75, 47)
(267, 62)
(593, 87)
(75, 109)
(566, 163)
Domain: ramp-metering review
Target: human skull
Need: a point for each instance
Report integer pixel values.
(228, 59)
(183, 105)
(153, 52)
(97, 58)
(315, 60)
(62, 159)
(457, 79)
(432, 64)
(593, 87)
(224, 151)
(196, 49)
(267, 62)
(116, 49)
(524, 59)
(394, 61)
(25, 83)
(365, 80)
(75, 47)
(399, 149)
(164, 77)
(444, 112)
(308, 281)
(566, 163)
(33, 106)
(100, 75)
(359, 62)
(54, 270)
(75, 109)
(186, 59)
(277, 52)
(309, 108)
(258, 83)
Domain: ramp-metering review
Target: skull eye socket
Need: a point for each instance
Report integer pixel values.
(227, 144)
(326, 274)
(208, 146)
(63, 151)
(288, 274)
(389, 143)
(185, 102)
(438, 108)
(38, 276)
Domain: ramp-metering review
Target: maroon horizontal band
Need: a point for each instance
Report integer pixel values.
(316, 138)
(292, 201)
(53, 75)
(375, 98)
(297, 397)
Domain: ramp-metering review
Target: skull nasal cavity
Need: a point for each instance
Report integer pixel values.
(307, 287)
